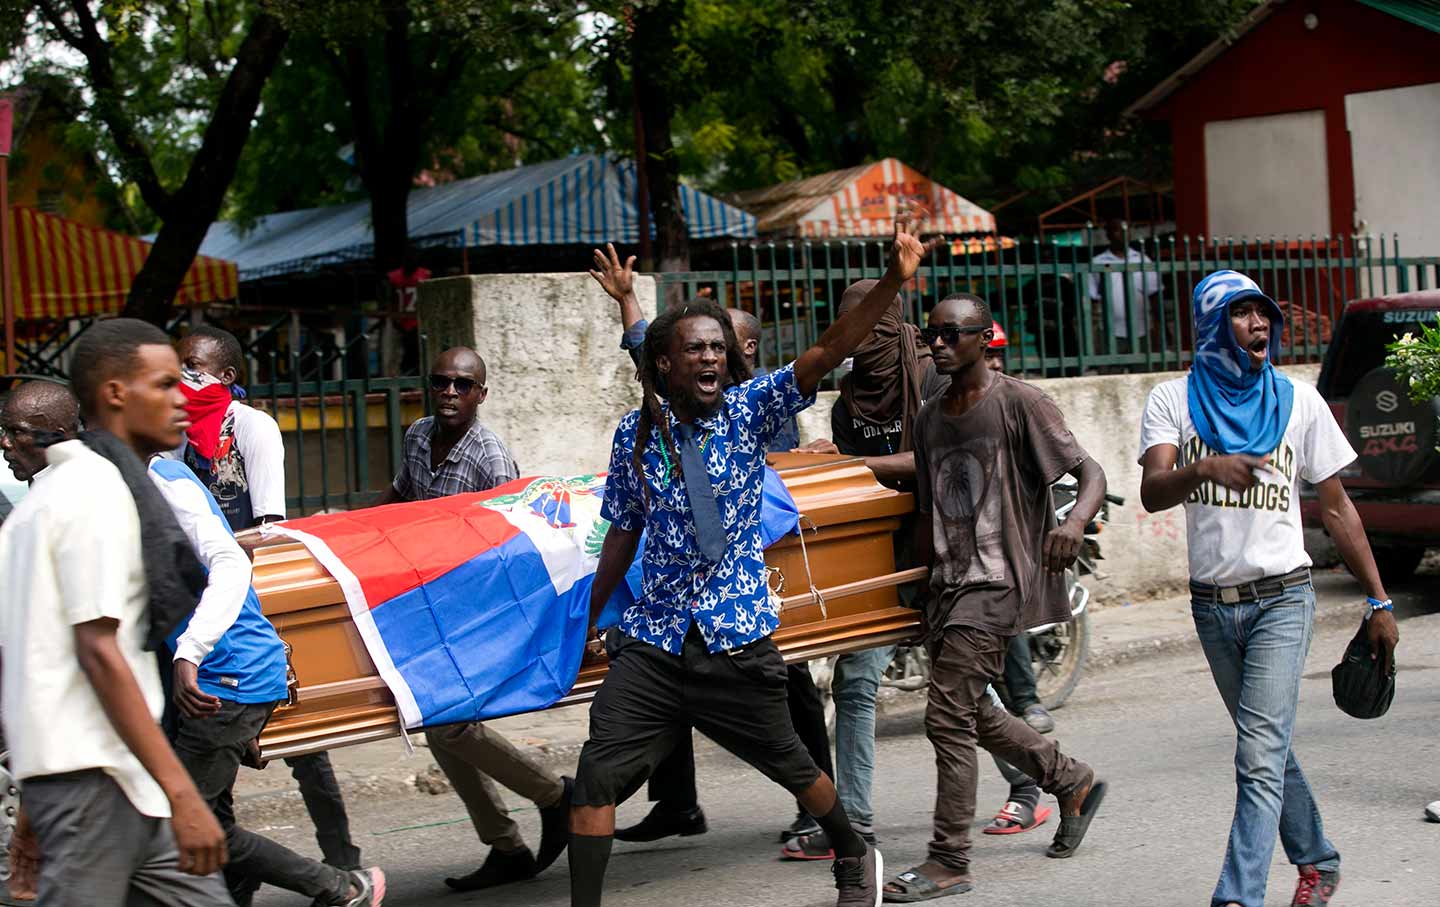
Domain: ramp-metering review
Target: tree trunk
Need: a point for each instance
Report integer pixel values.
(654, 36)
(197, 203)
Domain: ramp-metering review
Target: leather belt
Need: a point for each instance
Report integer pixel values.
(1265, 587)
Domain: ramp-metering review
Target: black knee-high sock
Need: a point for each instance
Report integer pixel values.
(843, 837)
(589, 855)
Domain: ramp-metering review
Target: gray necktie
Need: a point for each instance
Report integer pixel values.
(709, 533)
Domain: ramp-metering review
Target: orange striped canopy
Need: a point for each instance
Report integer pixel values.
(65, 269)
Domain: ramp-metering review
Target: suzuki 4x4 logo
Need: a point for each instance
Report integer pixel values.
(1387, 401)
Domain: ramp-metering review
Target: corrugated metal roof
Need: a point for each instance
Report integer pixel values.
(582, 199)
(782, 206)
(1424, 13)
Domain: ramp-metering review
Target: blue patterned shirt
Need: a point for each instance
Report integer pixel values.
(728, 601)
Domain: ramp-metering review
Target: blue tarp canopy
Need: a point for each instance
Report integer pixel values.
(587, 199)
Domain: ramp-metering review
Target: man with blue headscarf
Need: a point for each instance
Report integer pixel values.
(1229, 441)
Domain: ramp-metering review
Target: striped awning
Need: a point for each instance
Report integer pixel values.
(65, 269)
(591, 199)
(859, 202)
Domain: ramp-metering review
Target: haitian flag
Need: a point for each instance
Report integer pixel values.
(475, 606)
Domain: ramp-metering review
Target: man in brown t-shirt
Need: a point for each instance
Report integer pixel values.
(986, 454)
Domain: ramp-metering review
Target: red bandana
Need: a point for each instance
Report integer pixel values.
(206, 402)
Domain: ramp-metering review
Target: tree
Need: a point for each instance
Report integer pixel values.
(415, 76)
(175, 89)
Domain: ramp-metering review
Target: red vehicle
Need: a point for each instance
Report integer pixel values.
(1395, 482)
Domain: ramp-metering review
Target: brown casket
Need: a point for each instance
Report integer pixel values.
(837, 587)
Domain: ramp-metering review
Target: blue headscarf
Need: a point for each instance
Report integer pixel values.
(1236, 409)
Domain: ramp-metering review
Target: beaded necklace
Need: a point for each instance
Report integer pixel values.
(665, 454)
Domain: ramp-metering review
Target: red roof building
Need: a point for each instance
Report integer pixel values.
(1311, 117)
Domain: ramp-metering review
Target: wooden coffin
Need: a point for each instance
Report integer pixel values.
(849, 519)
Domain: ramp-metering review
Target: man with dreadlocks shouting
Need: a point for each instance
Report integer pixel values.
(672, 785)
(687, 468)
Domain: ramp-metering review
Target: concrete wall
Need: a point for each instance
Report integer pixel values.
(559, 382)
(551, 342)
(1145, 553)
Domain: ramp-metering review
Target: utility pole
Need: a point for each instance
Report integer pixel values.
(642, 185)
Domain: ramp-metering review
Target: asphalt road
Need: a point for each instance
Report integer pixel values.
(1155, 729)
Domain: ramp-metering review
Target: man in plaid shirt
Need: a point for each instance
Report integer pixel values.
(452, 453)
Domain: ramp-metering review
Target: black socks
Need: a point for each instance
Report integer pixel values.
(842, 834)
(588, 858)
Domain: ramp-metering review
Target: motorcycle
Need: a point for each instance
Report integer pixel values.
(1058, 651)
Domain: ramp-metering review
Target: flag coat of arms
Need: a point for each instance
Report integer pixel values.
(476, 606)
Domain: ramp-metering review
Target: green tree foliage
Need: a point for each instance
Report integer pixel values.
(170, 92)
(988, 98)
(430, 90)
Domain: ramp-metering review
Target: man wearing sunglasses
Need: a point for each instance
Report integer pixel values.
(449, 453)
(986, 454)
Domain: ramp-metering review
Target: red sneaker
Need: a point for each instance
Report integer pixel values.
(1315, 888)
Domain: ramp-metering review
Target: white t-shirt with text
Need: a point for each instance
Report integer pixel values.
(70, 554)
(1240, 536)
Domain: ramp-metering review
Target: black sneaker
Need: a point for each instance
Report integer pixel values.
(804, 824)
(858, 879)
(663, 822)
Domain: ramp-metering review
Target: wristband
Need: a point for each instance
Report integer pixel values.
(1374, 604)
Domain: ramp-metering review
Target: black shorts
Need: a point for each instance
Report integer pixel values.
(650, 697)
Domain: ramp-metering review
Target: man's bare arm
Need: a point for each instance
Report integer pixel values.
(841, 338)
(198, 835)
(618, 280)
(1062, 544)
(1162, 486)
(1342, 521)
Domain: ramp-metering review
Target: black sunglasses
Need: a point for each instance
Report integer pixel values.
(441, 383)
(950, 333)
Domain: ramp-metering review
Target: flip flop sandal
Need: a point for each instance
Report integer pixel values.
(1072, 828)
(916, 886)
(808, 847)
(1013, 818)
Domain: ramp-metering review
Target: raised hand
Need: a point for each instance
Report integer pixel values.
(908, 251)
(616, 279)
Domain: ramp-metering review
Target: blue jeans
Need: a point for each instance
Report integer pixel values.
(854, 685)
(1257, 654)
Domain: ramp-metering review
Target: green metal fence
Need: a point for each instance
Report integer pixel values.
(343, 428)
(1066, 314)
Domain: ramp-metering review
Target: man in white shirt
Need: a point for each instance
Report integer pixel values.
(1230, 440)
(1127, 313)
(234, 448)
(118, 819)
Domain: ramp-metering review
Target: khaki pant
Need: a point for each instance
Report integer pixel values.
(471, 755)
(960, 714)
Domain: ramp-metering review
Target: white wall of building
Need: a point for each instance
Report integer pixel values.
(1395, 147)
(1267, 175)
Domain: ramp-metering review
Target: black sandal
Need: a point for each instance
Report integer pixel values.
(915, 886)
(1073, 828)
